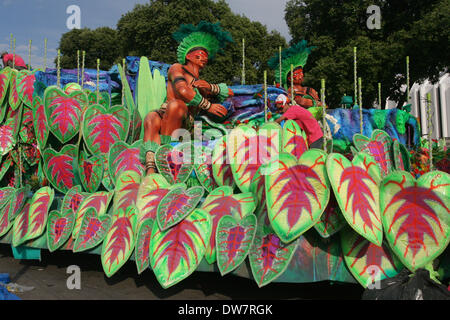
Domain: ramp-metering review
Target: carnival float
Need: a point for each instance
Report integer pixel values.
(81, 170)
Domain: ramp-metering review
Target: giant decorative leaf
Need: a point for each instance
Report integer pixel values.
(177, 205)
(142, 250)
(258, 188)
(5, 76)
(38, 212)
(64, 112)
(269, 256)
(26, 130)
(99, 201)
(93, 230)
(233, 240)
(91, 171)
(176, 252)
(6, 197)
(332, 220)
(203, 168)
(221, 167)
(14, 100)
(221, 202)
(400, 156)
(175, 164)
(25, 86)
(20, 227)
(248, 150)
(4, 166)
(295, 141)
(379, 147)
(72, 200)
(120, 240)
(297, 193)
(355, 185)
(107, 180)
(416, 215)
(59, 228)
(59, 167)
(368, 262)
(102, 98)
(127, 187)
(7, 139)
(103, 127)
(152, 190)
(41, 129)
(123, 157)
(19, 200)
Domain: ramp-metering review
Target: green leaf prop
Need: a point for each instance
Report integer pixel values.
(123, 157)
(415, 215)
(249, 150)
(258, 188)
(332, 220)
(152, 190)
(14, 100)
(6, 197)
(269, 256)
(59, 167)
(103, 127)
(5, 76)
(203, 169)
(142, 250)
(355, 185)
(102, 99)
(5, 166)
(41, 129)
(175, 164)
(25, 86)
(400, 155)
(177, 205)
(38, 212)
(20, 227)
(14, 120)
(120, 240)
(295, 141)
(234, 239)
(379, 147)
(221, 168)
(177, 252)
(107, 181)
(221, 202)
(72, 200)
(99, 201)
(26, 132)
(19, 200)
(151, 90)
(64, 112)
(93, 230)
(7, 139)
(59, 228)
(127, 187)
(368, 262)
(91, 171)
(297, 193)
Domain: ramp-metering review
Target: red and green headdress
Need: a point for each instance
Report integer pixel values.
(297, 55)
(205, 35)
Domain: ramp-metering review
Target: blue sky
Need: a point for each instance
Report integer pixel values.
(39, 19)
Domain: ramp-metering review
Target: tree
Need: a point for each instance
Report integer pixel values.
(408, 27)
(147, 31)
(101, 43)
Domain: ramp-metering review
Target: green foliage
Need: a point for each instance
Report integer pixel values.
(408, 27)
(101, 43)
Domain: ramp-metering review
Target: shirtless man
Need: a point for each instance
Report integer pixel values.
(187, 96)
(300, 91)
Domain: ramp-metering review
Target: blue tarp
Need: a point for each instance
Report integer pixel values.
(4, 293)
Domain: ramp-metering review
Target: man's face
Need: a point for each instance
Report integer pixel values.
(198, 57)
(298, 76)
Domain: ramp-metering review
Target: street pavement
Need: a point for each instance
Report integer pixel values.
(49, 279)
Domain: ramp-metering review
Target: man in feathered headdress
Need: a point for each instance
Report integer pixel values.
(187, 95)
(296, 56)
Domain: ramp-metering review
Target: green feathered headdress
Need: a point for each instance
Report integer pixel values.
(297, 55)
(209, 36)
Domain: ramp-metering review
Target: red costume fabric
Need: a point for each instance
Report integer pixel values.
(306, 121)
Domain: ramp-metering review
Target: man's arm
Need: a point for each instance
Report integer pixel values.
(282, 118)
